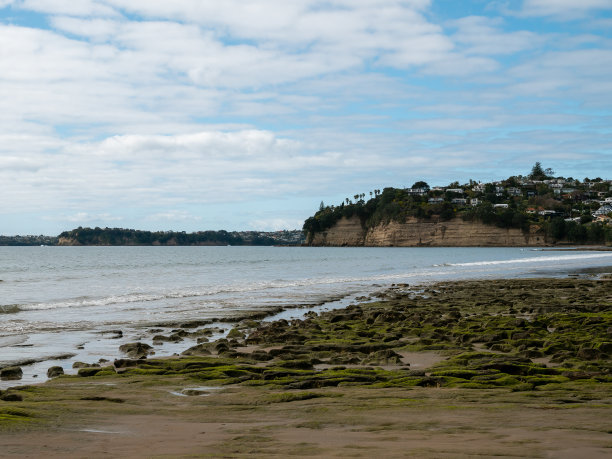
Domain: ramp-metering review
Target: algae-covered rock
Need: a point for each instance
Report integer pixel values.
(11, 397)
(85, 365)
(55, 371)
(588, 354)
(136, 350)
(234, 333)
(200, 349)
(383, 357)
(86, 372)
(174, 338)
(11, 373)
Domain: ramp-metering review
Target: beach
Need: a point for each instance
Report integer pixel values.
(75, 306)
(511, 367)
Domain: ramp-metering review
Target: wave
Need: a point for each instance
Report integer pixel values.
(9, 308)
(217, 294)
(534, 260)
(241, 292)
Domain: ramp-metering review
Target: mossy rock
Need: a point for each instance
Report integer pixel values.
(11, 373)
(55, 371)
(301, 364)
(234, 333)
(136, 350)
(87, 372)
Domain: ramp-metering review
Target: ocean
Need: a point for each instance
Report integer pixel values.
(60, 305)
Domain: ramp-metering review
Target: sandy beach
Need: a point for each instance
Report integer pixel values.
(506, 368)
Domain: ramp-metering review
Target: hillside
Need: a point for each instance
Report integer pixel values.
(530, 210)
(121, 236)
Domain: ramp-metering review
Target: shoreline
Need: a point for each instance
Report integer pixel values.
(176, 336)
(514, 344)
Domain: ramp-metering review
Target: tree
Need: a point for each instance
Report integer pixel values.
(420, 184)
(538, 173)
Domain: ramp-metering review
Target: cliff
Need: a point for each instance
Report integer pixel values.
(431, 233)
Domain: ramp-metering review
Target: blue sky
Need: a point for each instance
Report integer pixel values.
(246, 114)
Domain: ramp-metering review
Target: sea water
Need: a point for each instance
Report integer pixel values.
(59, 305)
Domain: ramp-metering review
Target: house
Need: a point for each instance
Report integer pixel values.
(418, 191)
(479, 188)
(460, 201)
(603, 210)
(603, 219)
(500, 206)
(547, 213)
(435, 200)
(513, 191)
(454, 190)
(475, 201)
(564, 190)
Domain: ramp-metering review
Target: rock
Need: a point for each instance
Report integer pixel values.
(116, 334)
(588, 354)
(11, 397)
(384, 357)
(235, 334)
(86, 372)
(125, 363)
(172, 338)
(84, 365)
(54, 372)
(11, 373)
(606, 348)
(136, 350)
(200, 349)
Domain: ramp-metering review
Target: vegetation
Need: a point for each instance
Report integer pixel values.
(121, 236)
(564, 208)
(28, 240)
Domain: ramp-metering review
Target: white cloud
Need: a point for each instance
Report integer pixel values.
(170, 105)
(86, 218)
(276, 224)
(482, 35)
(69, 7)
(174, 216)
(564, 9)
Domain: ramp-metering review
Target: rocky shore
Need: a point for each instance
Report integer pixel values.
(448, 348)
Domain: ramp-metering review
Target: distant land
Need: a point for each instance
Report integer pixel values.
(534, 210)
(120, 236)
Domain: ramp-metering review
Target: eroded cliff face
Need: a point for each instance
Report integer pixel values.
(67, 241)
(432, 233)
(346, 232)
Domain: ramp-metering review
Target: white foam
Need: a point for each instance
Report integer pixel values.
(535, 259)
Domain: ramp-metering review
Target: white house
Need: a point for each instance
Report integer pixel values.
(479, 188)
(603, 210)
(500, 206)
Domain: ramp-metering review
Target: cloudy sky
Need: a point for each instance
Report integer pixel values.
(246, 114)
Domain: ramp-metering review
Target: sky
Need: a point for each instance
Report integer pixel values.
(193, 115)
